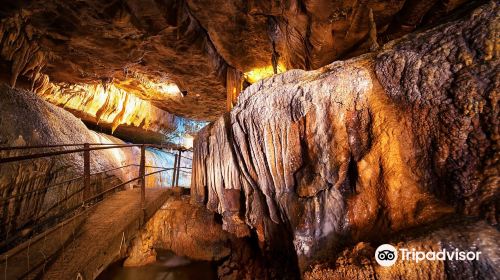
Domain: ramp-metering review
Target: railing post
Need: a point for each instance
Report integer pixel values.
(174, 173)
(142, 171)
(86, 172)
(178, 168)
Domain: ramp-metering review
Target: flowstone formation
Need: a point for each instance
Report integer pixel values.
(362, 150)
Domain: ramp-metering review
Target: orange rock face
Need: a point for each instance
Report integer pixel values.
(362, 149)
(187, 230)
(193, 43)
(114, 109)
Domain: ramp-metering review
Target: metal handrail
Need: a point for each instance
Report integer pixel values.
(162, 146)
(87, 148)
(89, 200)
(92, 198)
(123, 184)
(2, 201)
(49, 146)
(57, 153)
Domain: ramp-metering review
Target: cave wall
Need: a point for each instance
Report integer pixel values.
(142, 45)
(25, 120)
(356, 262)
(139, 46)
(360, 149)
(185, 229)
(99, 103)
(192, 231)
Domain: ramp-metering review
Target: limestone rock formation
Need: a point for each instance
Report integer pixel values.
(357, 262)
(143, 45)
(27, 120)
(111, 108)
(312, 168)
(362, 149)
(140, 45)
(187, 230)
(192, 231)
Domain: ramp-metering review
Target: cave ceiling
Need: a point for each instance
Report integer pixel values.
(176, 54)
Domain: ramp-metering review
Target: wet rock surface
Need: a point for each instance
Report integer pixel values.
(310, 162)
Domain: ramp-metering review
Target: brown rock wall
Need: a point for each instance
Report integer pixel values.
(361, 149)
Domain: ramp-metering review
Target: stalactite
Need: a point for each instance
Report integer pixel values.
(113, 106)
(119, 117)
(234, 85)
(343, 154)
(103, 109)
(24, 54)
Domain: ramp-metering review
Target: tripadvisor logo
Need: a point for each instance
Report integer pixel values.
(387, 255)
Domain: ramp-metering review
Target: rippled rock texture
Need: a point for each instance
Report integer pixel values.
(115, 110)
(195, 44)
(360, 150)
(27, 120)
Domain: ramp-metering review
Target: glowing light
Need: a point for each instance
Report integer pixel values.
(155, 89)
(169, 89)
(117, 155)
(107, 105)
(188, 141)
(258, 74)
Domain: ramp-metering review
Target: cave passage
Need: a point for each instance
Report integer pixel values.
(229, 139)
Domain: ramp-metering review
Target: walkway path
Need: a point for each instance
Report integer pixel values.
(86, 247)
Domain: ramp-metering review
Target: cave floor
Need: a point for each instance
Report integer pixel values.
(106, 233)
(167, 266)
(102, 238)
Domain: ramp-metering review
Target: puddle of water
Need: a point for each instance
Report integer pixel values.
(167, 267)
